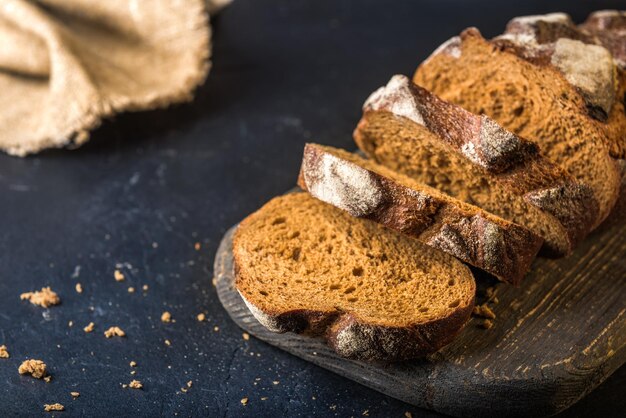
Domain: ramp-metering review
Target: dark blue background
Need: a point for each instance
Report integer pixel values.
(285, 72)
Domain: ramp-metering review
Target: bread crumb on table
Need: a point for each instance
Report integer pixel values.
(114, 332)
(53, 407)
(75, 394)
(79, 288)
(119, 276)
(3, 352)
(168, 343)
(408, 415)
(131, 290)
(201, 317)
(166, 317)
(47, 379)
(484, 311)
(216, 328)
(135, 384)
(487, 323)
(35, 368)
(70, 324)
(145, 288)
(133, 364)
(245, 336)
(197, 246)
(89, 327)
(45, 297)
(244, 401)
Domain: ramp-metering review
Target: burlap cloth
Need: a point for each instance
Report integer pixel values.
(67, 64)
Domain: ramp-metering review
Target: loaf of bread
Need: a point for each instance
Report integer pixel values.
(472, 158)
(304, 266)
(534, 100)
(368, 190)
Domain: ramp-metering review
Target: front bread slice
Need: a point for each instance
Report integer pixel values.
(307, 267)
(369, 190)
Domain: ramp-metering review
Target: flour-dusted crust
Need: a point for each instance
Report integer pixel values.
(510, 159)
(495, 245)
(609, 29)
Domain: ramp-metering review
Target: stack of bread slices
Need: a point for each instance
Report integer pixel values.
(495, 151)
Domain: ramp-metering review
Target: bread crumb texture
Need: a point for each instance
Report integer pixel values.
(35, 368)
(75, 394)
(166, 317)
(45, 297)
(79, 288)
(90, 327)
(119, 276)
(114, 332)
(3, 352)
(244, 401)
(201, 317)
(53, 407)
(133, 364)
(135, 384)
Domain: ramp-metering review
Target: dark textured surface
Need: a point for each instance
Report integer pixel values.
(285, 72)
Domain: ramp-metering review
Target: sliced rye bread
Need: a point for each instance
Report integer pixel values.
(368, 190)
(534, 101)
(409, 130)
(307, 267)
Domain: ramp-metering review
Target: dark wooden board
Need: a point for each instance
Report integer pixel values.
(555, 339)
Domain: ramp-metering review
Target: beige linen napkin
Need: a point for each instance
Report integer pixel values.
(66, 64)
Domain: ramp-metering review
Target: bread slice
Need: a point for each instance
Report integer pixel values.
(307, 267)
(368, 190)
(472, 158)
(532, 100)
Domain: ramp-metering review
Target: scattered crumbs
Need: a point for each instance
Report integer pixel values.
(484, 311)
(168, 343)
(131, 290)
(3, 352)
(53, 407)
(135, 384)
(257, 378)
(201, 317)
(90, 327)
(35, 368)
(133, 372)
(245, 336)
(114, 332)
(487, 323)
(166, 317)
(366, 413)
(119, 276)
(44, 297)
(133, 364)
(47, 379)
(70, 324)
(407, 414)
(145, 287)
(313, 397)
(186, 389)
(244, 401)
(79, 288)
(332, 407)
(75, 394)
(275, 382)
(264, 398)
(197, 246)
(190, 383)
(124, 385)
(216, 328)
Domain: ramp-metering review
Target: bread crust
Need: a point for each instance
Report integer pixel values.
(504, 249)
(509, 159)
(351, 336)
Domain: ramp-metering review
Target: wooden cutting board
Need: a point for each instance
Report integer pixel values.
(555, 339)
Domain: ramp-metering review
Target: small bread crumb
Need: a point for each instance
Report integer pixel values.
(244, 401)
(216, 328)
(197, 246)
(114, 332)
(214, 281)
(35, 368)
(44, 297)
(408, 415)
(275, 382)
(79, 288)
(484, 311)
(70, 324)
(245, 336)
(166, 317)
(486, 324)
(190, 383)
(133, 372)
(133, 364)
(89, 327)
(145, 287)
(75, 394)
(366, 413)
(201, 317)
(53, 407)
(47, 379)
(3, 352)
(264, 398)
(135, 384)
(131, 290)
(168, 343)
(119, 276)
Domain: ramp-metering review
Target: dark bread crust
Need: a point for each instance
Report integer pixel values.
(509, 159)
(353, 337)
(495, 245)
